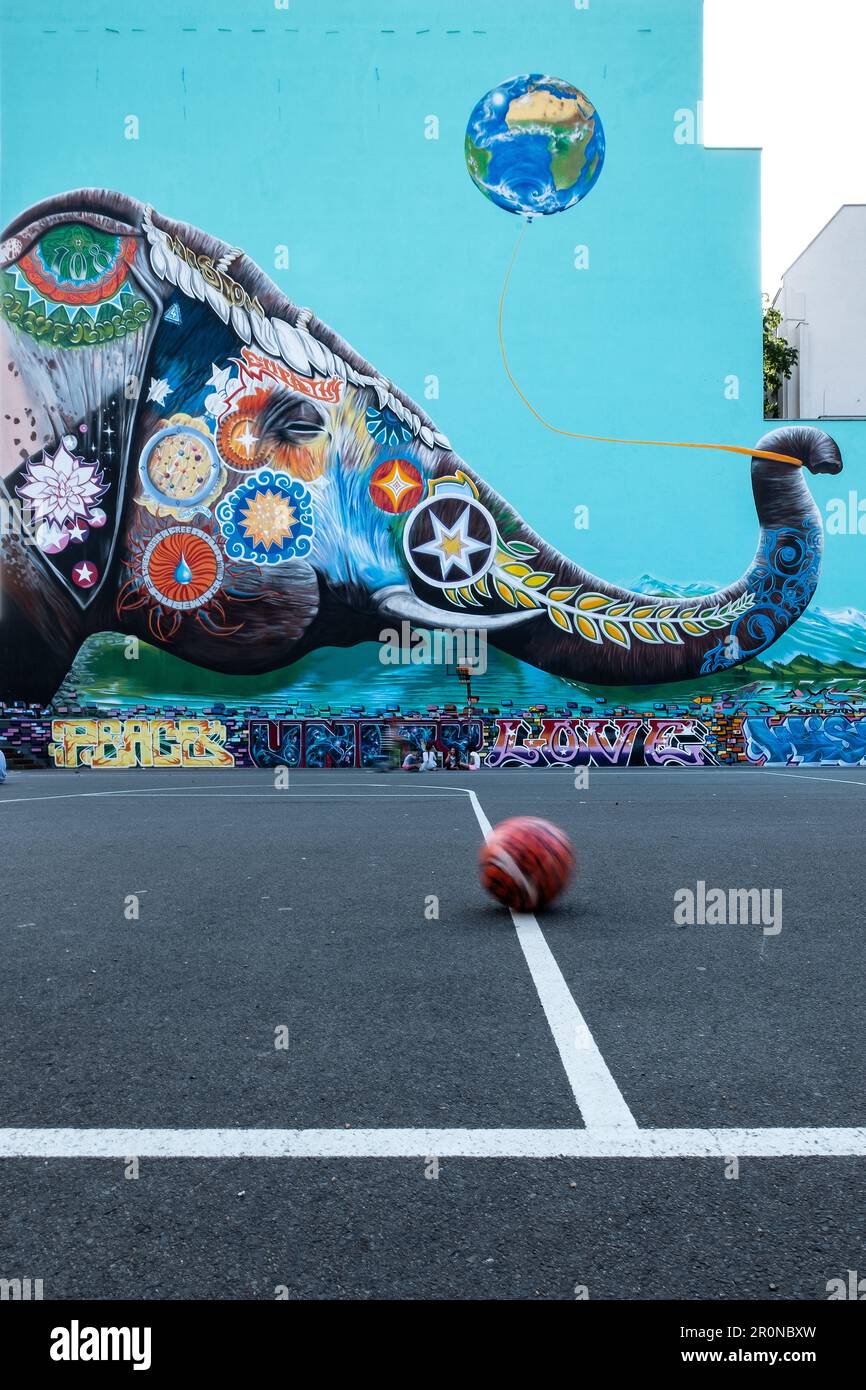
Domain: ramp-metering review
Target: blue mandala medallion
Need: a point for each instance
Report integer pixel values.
(267, 519)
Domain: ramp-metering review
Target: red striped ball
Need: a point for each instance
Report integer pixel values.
(525, 862)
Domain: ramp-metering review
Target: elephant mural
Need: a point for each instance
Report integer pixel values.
(200, 463)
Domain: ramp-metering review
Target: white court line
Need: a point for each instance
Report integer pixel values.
(599, 1098)
(616, 1141)
(211, 795)
(78, 796)
(810, 777)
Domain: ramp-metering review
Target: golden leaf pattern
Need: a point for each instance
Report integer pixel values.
(614, 632)
(594, 617)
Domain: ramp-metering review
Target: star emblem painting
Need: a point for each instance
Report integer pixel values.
(450, 537)
(238, 436)
(84, 575)
(158, 390)
(396, 486)
(452, 546)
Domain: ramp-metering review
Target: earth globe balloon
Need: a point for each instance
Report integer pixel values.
(534, 145)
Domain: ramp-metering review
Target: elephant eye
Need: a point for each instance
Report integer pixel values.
(289, 418)
(275, 428)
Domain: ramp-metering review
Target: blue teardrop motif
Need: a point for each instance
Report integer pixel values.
(183, 573)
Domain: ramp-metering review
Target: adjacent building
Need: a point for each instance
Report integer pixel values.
(823, 305)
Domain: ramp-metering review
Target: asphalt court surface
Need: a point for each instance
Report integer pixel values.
(261, 910)
(305, 908)
(727, 1024)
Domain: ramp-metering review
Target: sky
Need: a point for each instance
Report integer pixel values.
(787, 76)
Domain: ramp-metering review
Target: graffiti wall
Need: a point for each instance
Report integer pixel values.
(600, 743)
(127, 743)
(712, 738)
(788, 741)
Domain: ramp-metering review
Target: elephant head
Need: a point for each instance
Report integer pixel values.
(198, 461)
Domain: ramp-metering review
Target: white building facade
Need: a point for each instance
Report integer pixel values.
(823, 305)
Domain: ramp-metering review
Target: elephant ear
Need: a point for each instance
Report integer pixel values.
(78, 312)
(112, 320)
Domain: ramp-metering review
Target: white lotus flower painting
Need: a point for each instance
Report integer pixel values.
(62, 492)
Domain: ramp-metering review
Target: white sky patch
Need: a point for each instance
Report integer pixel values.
(787, 76)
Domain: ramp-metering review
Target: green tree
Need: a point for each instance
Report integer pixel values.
(779, 358)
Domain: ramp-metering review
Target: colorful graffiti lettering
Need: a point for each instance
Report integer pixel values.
(227, 737)
(214, 275)
(127, 743)
(275, 742)
(73, 288)
(791, 740)
(329, 745)
(598, 743)
(254, 367)
(353, 742)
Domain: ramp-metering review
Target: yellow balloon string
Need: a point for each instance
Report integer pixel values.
(603, 438)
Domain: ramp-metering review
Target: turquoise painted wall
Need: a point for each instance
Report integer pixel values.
(306, 126)
(843, 578)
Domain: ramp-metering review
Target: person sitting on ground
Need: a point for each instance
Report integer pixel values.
(412, 761)
(428, 762)
(452, 759)
(472, 763)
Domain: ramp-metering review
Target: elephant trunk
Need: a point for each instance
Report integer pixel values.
(611, 636)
